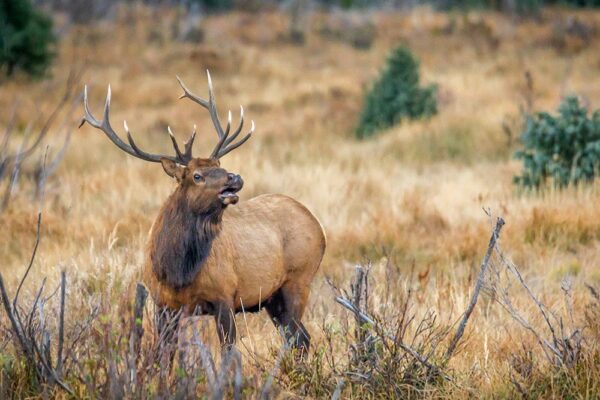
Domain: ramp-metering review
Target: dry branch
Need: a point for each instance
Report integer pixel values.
(11, 162)
(34, 344)
(480, 281)
(561, 349)
(61, 323)
(35, 341)
(136, 333)
(367, 319)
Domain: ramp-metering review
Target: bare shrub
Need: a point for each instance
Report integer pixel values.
(14, 157)
(31, 329)
(95, 347)
(392, 351)
(564, 340)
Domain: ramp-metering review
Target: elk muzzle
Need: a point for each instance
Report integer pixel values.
(228, 194)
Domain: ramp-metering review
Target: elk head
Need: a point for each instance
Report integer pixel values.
(203, 184)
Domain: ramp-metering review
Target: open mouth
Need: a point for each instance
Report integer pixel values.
(229, 195)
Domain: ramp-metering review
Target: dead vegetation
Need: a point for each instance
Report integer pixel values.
(410, 201)
(391, 351)
(14, 157)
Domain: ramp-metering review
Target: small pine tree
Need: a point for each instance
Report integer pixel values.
(563, 149)
(396, 95)
(26, 38)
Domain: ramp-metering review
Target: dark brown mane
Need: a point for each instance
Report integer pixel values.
(183, 241)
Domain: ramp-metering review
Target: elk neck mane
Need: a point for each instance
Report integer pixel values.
(182, 241)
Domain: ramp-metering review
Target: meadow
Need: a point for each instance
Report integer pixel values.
(410, 201)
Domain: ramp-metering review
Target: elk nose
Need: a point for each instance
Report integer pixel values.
(235, 179)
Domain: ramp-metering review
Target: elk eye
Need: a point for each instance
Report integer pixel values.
(198, 178)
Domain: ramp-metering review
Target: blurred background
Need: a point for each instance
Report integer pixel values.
(395, 122)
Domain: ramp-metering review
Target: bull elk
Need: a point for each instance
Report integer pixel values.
(207, 258)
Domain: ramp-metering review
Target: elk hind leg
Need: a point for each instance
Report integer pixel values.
(286, 308)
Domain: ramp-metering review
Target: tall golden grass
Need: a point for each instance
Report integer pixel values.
(412, 196)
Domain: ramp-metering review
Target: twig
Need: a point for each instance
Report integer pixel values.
(35, 248)
(359, 286)
(507, 305)
(136, 333)
(35, 302)
(15, 325)
(14, 176)
(141, 294)
(30, 348)
(366, 319)
(480, 280)
(533, 297)
(49, 370)
(61, 323)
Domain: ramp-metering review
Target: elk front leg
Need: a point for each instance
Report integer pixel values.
(225, 326)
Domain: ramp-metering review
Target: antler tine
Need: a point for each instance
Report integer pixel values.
(234, 146)
(228, 123)
(188, 145)
(88, 117)
(188, 94)
(174, 141)
(211, 106)
(142, 154)
(222, 139)
(224, 144)
(214, 115)
(104, 126)
(238, 130)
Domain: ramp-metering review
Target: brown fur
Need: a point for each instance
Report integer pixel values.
(202, 253)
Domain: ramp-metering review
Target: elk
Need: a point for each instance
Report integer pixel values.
(208, 258)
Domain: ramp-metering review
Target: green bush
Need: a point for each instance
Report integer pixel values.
(519, 6)
(26, 38)
(396, 95)
(563, 149)
(215, 5)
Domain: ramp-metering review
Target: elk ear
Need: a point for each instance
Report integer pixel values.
(172, 169)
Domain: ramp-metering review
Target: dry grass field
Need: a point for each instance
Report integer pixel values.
(410, 200)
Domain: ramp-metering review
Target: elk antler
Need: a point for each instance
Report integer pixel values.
(225, 144)
(131, 148)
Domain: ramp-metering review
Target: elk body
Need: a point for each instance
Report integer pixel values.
(209, 258)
